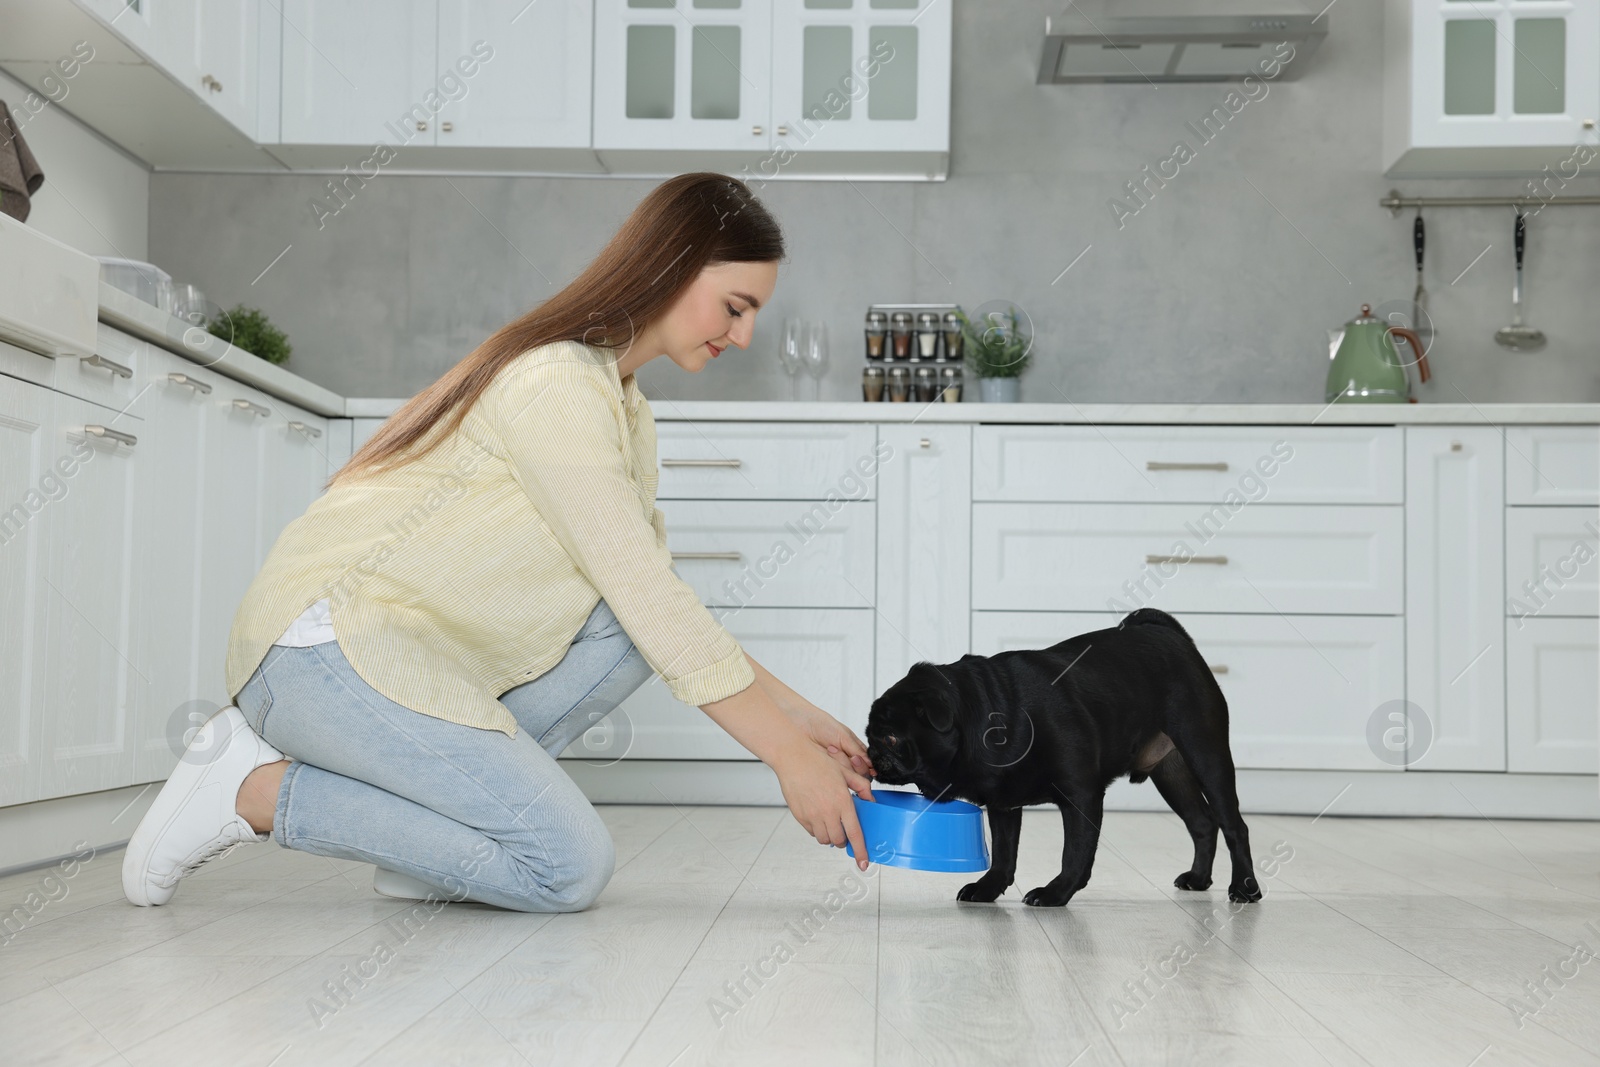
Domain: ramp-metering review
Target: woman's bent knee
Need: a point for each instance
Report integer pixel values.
(580, 873)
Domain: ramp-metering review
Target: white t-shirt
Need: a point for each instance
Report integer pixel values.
(313, 627)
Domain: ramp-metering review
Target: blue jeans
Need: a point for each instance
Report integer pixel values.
(471, 811)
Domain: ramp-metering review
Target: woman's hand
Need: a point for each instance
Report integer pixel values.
(817, 790)
(837, 739)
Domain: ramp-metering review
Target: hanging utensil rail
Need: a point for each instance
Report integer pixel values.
(1397, 203)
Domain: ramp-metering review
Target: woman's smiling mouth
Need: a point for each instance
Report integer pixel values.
(715, 351)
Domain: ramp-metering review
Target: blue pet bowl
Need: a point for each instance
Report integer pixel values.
(906, 829)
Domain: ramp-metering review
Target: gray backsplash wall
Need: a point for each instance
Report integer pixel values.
(1220, 288)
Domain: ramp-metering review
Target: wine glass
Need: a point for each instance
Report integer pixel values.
(789, 352)
(815, 355)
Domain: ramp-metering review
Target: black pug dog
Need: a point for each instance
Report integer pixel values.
(1057, 726)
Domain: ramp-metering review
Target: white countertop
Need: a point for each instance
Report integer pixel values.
(1160, 414)
(150, 323)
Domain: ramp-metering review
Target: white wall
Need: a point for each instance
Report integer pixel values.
(95, 197)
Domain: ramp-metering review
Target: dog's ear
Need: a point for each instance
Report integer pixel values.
(935, 696)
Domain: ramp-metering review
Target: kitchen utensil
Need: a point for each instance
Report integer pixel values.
(789, 352)
(1517, 336)
(1365, 367)
(903, 828)
(814, 355)
(1420, 320)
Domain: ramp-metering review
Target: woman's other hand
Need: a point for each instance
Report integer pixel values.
(837, 739)
(817, 790)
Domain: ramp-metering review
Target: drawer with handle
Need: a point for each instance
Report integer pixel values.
(1178, 464)
(774, 553)
(1183, 557)
(1300, 690)
(1551, 564)
(766, 461)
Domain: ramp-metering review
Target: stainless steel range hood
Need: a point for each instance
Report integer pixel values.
(1176, 40)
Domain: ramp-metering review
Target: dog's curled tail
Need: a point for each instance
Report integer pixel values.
(1153, 617)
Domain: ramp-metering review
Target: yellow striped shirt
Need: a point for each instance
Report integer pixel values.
(466, 572)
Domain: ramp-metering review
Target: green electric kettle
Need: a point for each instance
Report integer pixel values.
(1366, 368)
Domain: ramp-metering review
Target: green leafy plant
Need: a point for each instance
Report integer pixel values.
(249, 329)
(996, 348)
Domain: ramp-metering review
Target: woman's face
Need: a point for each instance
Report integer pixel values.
(717, 310)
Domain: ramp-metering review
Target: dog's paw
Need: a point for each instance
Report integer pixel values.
(1047, 896)
(1246, 891)
(980, 892)
(1191, 881)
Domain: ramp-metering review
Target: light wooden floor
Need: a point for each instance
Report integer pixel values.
(1379, 942)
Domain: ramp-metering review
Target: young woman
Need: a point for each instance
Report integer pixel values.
(484, 580)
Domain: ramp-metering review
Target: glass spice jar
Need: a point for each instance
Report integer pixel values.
(925, 385)
(927, 334)
(900, 335)
(952, 336)
(877, 331)
(899, 383)
(872, 382)
(950, 379)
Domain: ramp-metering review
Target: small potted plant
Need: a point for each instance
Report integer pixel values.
(249, 329)
(997, 352)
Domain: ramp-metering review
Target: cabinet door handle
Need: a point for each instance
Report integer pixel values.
(702, 463)
(1160, 465)
(421, 125)
(926, 443)
(309, 431)
(115, 435)
(118, 369)
(1192, 559)
(755, 131)
(447, 126)
(211, 83)
(1219, 668)
(193, 383)
(734, 556)
(241, 404)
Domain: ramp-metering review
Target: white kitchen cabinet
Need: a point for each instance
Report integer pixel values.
(1552, 465)
(682, 77)
(294, 465)
(534, 87)
(1189, 464)
(1454, 585)
(815, 87)
(924, 547)
(1488, 86)
(27, 454)
(861, 75)
(1300, 689)
(350, 78)
(774, 553)
(689, 76)
(824, 654)
(1306, 558)
(1552, 691)
(169, 543)
(1551, 562)
(90, 682)
(210, 47)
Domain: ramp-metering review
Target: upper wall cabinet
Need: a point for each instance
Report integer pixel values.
(814, 87)
(436, 73)
(1485, 87)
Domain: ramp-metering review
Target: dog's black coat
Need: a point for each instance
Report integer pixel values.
(1057, 726)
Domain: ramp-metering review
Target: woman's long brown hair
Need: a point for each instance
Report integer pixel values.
(685, 224)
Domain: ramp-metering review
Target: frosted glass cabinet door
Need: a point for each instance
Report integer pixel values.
(687, 74)
(1505, 72)
(861, 75)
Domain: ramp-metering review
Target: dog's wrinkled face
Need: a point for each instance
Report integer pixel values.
(913, 736)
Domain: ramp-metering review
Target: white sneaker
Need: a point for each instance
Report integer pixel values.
(403, 886)
(195, 816)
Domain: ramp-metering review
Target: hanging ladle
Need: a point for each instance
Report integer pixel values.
(1517, 336)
